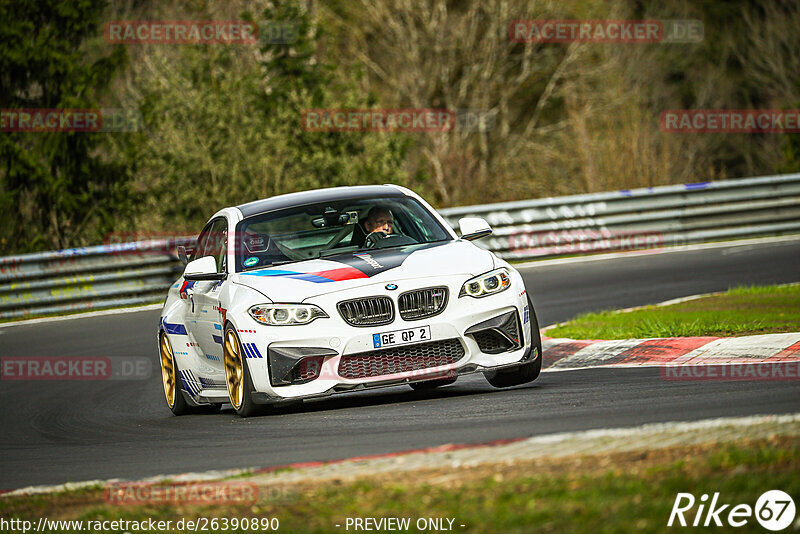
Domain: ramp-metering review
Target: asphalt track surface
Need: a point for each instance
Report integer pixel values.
(54, 432)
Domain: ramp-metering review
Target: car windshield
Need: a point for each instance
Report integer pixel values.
(331, 228)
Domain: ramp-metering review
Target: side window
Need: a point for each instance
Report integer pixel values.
(202, 242)
(213, 241)
(218, 243)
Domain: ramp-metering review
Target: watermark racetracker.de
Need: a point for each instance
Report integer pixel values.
(378, 120)
(398, 120)
(148, 524)
(180, 32)
(185, 493)
(105, 120)
(406, 367)
(75, 368)
(606, 31)
(558, 242)
(205, 32)
(730, 121)
(752, 371)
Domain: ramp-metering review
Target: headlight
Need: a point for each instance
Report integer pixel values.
(285, 314)
(486, 284)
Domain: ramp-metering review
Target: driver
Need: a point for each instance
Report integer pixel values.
(379, 219)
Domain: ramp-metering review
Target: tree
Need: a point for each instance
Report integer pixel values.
(224, 124)
(56, 189)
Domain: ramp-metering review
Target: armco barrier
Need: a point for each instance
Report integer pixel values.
(637, 218)
(88, 278)
(130, 273)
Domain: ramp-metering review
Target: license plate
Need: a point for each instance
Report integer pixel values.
(401, 337)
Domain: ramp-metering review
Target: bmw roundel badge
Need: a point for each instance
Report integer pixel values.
(391, 287)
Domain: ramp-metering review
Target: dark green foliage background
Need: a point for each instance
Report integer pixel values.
(221, 123)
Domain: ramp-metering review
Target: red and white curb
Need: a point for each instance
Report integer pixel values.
(567, 354)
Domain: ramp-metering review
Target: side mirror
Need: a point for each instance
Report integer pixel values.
(204, 268)
(473, 228)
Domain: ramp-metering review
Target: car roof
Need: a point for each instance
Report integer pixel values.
(319, 195)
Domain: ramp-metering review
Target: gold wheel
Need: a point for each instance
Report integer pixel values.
(168, 370)
(234, 369)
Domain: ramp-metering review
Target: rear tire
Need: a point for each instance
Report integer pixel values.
(526, 372)
(237, 375)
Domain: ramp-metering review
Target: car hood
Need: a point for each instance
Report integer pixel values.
(295, 282)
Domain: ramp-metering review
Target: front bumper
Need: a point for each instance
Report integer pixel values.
(470, 335)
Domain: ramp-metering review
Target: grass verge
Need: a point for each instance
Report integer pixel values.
(739, 311)
(610, 492)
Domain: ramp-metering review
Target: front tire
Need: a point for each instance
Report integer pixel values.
(237, 375)
(526, 372)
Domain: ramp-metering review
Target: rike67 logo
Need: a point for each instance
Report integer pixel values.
(774, 510)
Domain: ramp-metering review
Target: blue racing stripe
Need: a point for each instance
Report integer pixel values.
(247, 353)
(217, 339)
(175, 328)
(195, 383)
(255, 349)
(271, 272)
(308, 277)
(185, 383)
(291, 274)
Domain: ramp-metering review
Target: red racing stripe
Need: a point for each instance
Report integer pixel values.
(344, 273)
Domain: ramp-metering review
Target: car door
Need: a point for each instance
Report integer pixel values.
(206, 295)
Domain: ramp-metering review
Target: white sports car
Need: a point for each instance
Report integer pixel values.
(334, 290)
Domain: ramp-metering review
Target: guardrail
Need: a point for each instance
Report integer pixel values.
(88, 278)
(639, 218)
(140, 272)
